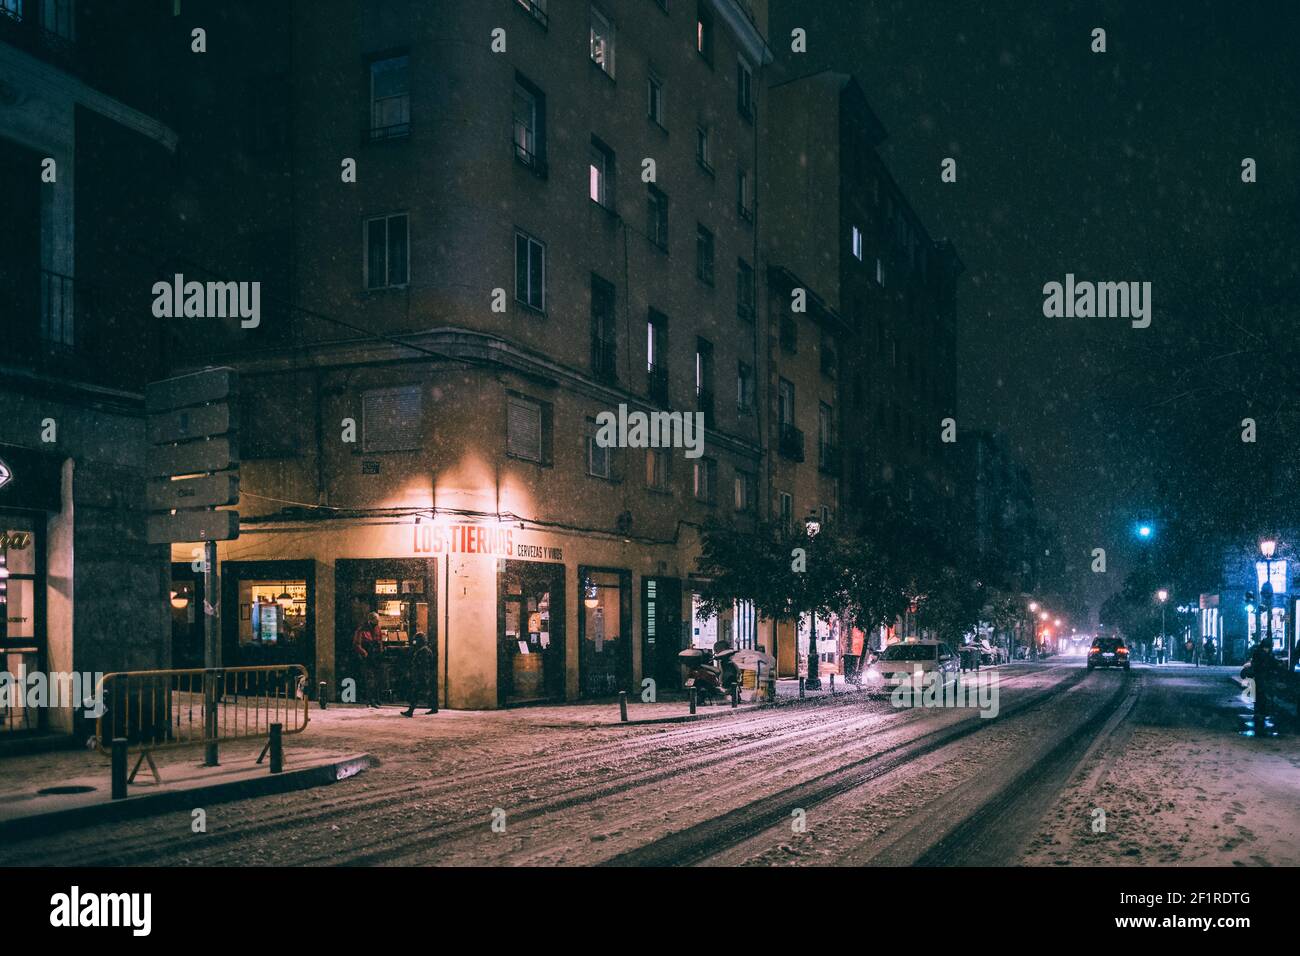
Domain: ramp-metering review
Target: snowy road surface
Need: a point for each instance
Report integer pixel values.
(1139, 768)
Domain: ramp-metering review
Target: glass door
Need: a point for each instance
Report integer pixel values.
(22, 615)
(530, 633)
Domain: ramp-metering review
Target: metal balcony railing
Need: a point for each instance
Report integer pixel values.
(603, 360)
(790, 442)
(828, 458)
(657, 384)
(704, 403)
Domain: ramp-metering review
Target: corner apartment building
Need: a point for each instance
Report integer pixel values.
(84, 168)
(418, 429)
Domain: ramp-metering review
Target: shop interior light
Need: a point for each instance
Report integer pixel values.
(590, 599)
(180, 601)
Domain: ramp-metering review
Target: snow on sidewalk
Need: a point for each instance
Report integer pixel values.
(1181, 786)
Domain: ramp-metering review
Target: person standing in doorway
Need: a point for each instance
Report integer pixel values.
(368, 647)
(420, 677)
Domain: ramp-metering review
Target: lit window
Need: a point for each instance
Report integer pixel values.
(597, 454)
(602, 41)
(601, 174)
(857, 243)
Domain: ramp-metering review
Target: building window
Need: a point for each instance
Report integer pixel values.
(56, 16)
(602, 42)
(537, 8)
(825, 436)
(744, 388)
(526, 424)
(785, 510)
(657, 357)
(744, 491)
(857, 243)
(657, 216)
(704, 254)
(703, 148)
(530, 125)
(602, 330)
(601, 174)
(706, 470)
(785, 402)
(597, 455)
(387, 252)
(744, 195)
(391, 419)
(744, 290)
(390, 97)
(530, 272)
(704, 33)
(13, 9)
(656, 468)
(655, 99)
(744, 89)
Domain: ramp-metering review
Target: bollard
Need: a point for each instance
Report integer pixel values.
(771, 689)
(277, 748)
(119, 768)
(692, 700)
(801, 680)
(735, 696)
(832, 682)
(320, 696)
(622, 706)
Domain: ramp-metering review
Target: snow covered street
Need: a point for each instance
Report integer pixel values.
(1132, 768)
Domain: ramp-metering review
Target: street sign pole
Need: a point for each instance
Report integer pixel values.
(211, 651)
(193, 467)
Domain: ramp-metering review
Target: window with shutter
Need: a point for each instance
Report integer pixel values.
(524, 429)
(391, 419)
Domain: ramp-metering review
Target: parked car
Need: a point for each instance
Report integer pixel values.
(1108, 652)
(901, 662)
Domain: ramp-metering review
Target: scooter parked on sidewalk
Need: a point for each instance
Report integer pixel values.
(710, 673)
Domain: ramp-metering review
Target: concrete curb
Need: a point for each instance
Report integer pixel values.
(183, 798)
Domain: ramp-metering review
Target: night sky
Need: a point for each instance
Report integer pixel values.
(1115, 166)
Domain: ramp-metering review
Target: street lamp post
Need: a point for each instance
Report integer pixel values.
(1162, 596)
(812, 526)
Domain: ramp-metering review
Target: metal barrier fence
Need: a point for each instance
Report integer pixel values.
(163, 709)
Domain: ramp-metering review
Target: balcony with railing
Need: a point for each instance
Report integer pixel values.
(603, 360)
(828, 458)
(789, 334)
(58, 326)
(704, 403)
(790, 441)
(44, 29)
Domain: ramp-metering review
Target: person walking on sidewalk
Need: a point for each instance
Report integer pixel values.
(419, 677)
(368, 647)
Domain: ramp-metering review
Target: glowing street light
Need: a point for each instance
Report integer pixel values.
(1145, 531)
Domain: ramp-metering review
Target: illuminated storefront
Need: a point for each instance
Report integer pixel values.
(516, 614)
(29, 494)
